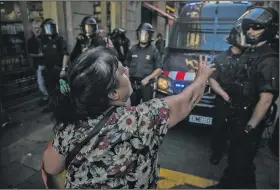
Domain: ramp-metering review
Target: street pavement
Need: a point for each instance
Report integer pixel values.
(184, 155)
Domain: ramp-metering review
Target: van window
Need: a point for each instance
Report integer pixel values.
(198, 36)
(186, 35)
(225, 10)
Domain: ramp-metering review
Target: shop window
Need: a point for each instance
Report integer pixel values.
(35, 10)
(10, 11)
(18, 80)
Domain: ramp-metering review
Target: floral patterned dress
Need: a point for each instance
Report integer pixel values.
(125, 152)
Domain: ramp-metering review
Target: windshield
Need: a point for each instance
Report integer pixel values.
(199, 36)
(196, 28)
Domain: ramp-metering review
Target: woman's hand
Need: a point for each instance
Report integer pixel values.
(204, 71)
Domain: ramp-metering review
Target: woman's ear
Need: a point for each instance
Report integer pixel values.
(113, 95)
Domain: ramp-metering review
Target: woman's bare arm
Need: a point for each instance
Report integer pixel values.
(180, 105)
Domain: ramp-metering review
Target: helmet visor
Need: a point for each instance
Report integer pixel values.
(240, 35)
(50, 29)
(255, 19)
(258, 15)
(90, 29)
(143, 36)
(236, 38)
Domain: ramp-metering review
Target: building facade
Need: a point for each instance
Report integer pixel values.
(125, 14)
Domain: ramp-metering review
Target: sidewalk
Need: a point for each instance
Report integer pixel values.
(20, 162)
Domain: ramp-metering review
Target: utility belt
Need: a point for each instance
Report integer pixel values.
(240, 114)
(245, 110)
(240, 93)
(136, 82)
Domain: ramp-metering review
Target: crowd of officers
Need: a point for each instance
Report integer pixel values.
(246, 79)
(51, 57)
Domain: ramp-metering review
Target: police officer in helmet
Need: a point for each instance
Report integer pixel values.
(226, 65)
(144, 64)
(88, 37)
(253, 95)
(121, 43)
(55, 54)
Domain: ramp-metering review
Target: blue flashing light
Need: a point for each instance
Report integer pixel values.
(180, 85)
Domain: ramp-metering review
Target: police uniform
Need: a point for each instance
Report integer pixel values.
(142, 59)
(226, 66)
(88, 38)
(258, 73)
(262, 76)
(54, 48)
(53, 51)
(141, 63)
(120, 41)
(95, 41)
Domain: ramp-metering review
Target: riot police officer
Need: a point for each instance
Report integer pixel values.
(144, 64)
(121, 42)
(253, 94)
(87, 38)
(55, 54)
(226, 66)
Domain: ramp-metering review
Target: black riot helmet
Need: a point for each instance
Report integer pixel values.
(49, 27)
(258, 18)
(119, 32)
(144, 33)
(89, 26)
(236, 38)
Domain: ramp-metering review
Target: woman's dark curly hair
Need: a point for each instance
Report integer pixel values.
(90, 78)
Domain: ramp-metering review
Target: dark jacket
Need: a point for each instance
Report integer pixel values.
(80, 44)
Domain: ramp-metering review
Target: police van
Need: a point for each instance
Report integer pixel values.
(201, 29)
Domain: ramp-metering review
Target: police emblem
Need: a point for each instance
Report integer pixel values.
(148, 57)
(192, 65)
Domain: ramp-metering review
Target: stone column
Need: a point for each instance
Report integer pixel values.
(69, 23)
(61, 20)
(160, 20)
(79, 11)
(177, 5)
(116, 14)
(104, 13)
(123, 7)
(50, 9)
(132, 19)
